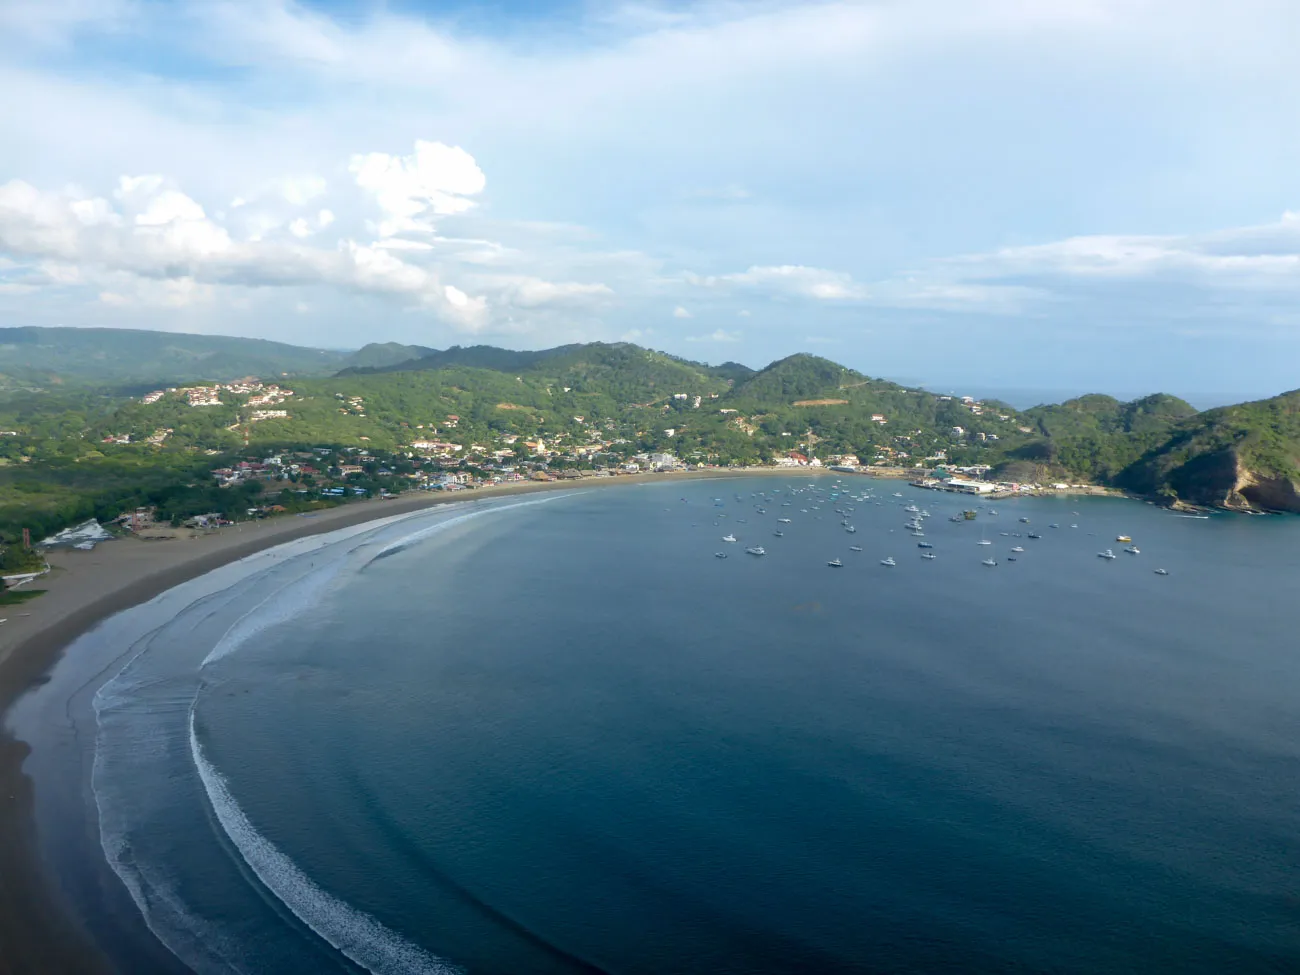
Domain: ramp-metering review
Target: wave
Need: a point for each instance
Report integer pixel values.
(356, 934)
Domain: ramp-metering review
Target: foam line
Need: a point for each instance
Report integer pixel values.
(354, 933)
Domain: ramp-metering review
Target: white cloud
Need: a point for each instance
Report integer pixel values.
(721, 335)
(791, 280)
(681, 312)
(434, 180)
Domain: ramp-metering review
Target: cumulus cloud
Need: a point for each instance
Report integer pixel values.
(790, 280)
(681, 312)
(434, 180)
(151, 244)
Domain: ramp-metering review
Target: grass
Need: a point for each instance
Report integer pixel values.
(16, 597)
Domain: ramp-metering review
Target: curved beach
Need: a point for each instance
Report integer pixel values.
(38, 929)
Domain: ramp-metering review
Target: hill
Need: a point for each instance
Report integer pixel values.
(1243, 456)
(380, 355)
(44, 356)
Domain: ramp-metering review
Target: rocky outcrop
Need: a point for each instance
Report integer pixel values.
(1261, 492)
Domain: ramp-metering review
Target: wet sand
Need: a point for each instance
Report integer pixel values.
(39, 934)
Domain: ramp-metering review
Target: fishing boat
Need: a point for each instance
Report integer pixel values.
(888, 562)
(1108, 554)
(835, 564)
(756, 550)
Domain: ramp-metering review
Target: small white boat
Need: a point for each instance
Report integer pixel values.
(888, 562)
(925, 545)
(851, 530)
(928, 555)
(779, 534)
(1024, 521)
(988, 562)
(1018, 548)
(1133, 550)
(898, 494)
(728, 538)
(1108, 554)
(784, 521)
(719, 555)
(913, 508)
(855, 548)
(985, 541)
(1074, 526)
(1162, 572)
(756, 550)
(835, 564)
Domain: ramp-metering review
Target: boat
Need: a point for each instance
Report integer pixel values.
(1024, 521)
(1032, 535)
(756, 550)
(1133, 550)
(1108, 554)
(928, 555)
(913, 508)
(719, 555)
(985, 541)
(888, 562)
(898, 494)
(784, 521)
(1074, 526)
(855, 548)
(728, 538)
(925, 545)
(1018, 548)
(835, 564)
(988, 562)
(1053, 526)
(1011, 558)
(1162, 572)
(1196, 517)
(1122, 538)
(850, 529)
(779, 534)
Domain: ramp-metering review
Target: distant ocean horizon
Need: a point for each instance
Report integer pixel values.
(561, 735)
(1023, 398)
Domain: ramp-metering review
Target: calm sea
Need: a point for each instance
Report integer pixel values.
(561, 736)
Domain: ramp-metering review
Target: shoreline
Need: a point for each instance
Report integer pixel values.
(39, 930)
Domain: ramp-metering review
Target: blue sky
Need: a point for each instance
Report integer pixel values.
(1045, 194)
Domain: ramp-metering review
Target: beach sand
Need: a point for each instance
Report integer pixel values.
(39, 935)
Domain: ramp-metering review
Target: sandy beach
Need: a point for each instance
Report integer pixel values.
(38, 932)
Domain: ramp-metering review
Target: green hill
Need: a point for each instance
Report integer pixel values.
(45, 356)
(381, 355)
(1243, 456)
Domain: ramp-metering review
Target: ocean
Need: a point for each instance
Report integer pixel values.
(559, 735)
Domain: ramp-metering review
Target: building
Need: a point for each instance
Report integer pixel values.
(969, 487)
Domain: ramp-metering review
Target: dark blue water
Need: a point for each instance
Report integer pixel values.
(565, 737)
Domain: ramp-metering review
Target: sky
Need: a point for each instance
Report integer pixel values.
(995, 194)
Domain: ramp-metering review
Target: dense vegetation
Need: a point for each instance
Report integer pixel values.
(42, 357)
(70, 452)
